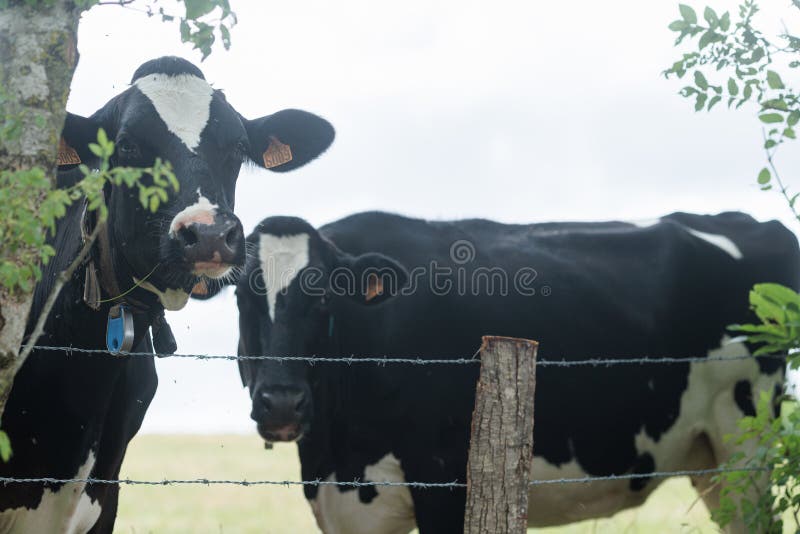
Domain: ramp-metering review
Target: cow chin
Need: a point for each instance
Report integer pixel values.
(285, 433)
(211, 269)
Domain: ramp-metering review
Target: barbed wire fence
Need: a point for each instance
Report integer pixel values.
(387, 361)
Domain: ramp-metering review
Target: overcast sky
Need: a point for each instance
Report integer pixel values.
(516, 111)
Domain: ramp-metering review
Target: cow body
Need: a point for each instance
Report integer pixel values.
(669, 288)
(71, 415)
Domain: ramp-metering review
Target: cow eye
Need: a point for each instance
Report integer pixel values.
(127, 149)
(240, 150)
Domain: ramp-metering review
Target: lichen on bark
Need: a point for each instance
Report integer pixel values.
(38, 55)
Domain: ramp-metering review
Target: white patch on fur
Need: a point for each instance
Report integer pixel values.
(66, 511)
(182, 101)
(200, 211)
(719, 241)
(707, 413)
(558, 504)
(171, 299)
(390, 512)
(282, 258)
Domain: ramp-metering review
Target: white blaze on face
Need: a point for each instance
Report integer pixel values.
(282, 258)
(67, 510)
(183, 102)
(201, 212)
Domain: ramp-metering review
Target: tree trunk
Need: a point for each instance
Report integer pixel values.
(501, 446)
(38, 55)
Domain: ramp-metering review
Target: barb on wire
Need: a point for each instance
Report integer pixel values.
(418, 360)
(368, 483)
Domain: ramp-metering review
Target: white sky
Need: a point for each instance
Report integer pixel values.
(516, 111)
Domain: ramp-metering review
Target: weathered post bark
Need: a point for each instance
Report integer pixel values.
(501, 447)
(38, 55)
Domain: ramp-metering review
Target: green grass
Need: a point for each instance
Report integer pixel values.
(278, 509)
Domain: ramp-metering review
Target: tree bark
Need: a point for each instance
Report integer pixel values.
(501, 446)
(38, 55)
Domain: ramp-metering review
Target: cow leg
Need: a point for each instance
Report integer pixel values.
(438, 510)
(132, 396)
(728, 407)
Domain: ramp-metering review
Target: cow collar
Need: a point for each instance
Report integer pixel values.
(105, 278)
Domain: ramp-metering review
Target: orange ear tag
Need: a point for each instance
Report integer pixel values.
(374, 287)
(67, 154)
(276, 153)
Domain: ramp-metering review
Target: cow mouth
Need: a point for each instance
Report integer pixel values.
(211, 269)
(285, 433)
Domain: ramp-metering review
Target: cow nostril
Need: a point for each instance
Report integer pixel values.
(232, 237)
(188, 235)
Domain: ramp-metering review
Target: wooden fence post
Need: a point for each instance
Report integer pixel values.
(501, 447)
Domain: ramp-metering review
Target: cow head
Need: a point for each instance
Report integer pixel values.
(171, 112)
(291, 291)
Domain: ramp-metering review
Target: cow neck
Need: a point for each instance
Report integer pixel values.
(101, 273)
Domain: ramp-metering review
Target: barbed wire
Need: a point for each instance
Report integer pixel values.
(419, 360)
(358, 483)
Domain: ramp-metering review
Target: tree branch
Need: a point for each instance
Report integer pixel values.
(778, 180)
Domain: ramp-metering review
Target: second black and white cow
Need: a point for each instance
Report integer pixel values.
(668, 288)
(71, 415)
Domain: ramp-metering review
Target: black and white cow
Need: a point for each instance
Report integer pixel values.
(71, 415)
(666, 288)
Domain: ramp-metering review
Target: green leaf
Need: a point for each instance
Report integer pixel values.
(764, 176)
(688, 13)
(770, 143)
(711, 16)
(775, 103)
(725, 22)
(700, 80)
(771, 118)
(197, 8)
(713, 102)
(733, 88)
(678, 25)
(5, 447)
(793, 118)
(774, 80)
(789, 133)
(226, 36)
(707, 38)
(700, 102)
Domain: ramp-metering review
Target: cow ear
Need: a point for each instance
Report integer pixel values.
(377, 277)
(288, 139)
(78, 132)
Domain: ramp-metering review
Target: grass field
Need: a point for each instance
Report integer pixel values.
(279, 510)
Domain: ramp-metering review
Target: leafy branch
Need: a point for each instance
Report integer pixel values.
(24, 231)
(738, 60)
(197, 24)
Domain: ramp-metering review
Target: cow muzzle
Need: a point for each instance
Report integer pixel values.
(210, 244)
(280, 414)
